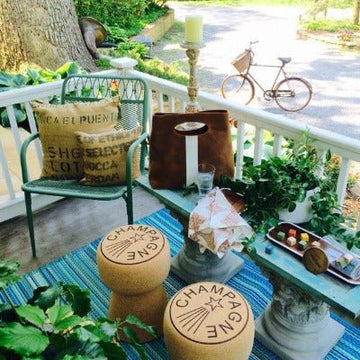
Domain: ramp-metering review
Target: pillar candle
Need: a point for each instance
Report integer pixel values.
(194, 28)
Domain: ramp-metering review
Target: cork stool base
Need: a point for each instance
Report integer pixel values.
(148, 307)
(208, 321)
(133, 261)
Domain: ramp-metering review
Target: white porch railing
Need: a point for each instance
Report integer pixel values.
(348, 149)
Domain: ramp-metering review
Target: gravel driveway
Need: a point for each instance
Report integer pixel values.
(333, 72)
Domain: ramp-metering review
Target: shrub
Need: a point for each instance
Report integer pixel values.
(31, 76)
(154, 66)
(122, 19)
(329, 25)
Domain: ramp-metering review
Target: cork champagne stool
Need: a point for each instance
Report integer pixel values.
(133, 262)
(208, 321)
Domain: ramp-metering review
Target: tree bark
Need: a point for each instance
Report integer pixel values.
(356, 12)
(41, 32)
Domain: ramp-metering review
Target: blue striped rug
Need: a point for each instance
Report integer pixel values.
(79, 267)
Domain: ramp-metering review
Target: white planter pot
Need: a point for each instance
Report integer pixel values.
(303, 211)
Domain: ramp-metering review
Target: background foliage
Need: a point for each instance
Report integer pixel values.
(122, 19)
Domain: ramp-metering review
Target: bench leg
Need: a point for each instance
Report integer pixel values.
(30, 221)
(129, 208)
(296, 325)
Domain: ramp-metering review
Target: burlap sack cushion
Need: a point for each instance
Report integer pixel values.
(104, 156)
(57, 125)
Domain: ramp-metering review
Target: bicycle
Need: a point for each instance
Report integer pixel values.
(290, 93)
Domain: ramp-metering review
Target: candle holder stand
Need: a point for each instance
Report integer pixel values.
(192, 52)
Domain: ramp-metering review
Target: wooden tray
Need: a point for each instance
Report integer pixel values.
(330, 250)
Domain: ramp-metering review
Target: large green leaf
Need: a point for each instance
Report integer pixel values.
(77, 357)
(113, 351)
(78, 298)
(20, 116)
(131, 335)
(24, 340)
(44, 297)
(69, 322)
(49, 76)
(34, 76)
(73, 69)
(32, 314)
(62, 318)
(133, 320)
(8, 269)
(68, 68)
(5, 79)
(91, 351)
(88, 334)
(18, 80)
(57, 313)
(109, 328)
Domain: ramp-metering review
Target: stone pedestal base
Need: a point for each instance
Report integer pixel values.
(192, 266)
(297, 326)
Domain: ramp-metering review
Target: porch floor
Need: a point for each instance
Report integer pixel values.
(66, 225)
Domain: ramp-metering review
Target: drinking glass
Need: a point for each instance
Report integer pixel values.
(205, 178)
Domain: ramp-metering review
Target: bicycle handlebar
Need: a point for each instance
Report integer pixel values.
(252, 43)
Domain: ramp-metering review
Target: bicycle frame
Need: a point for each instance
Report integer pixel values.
(291, 93)
(281, 71)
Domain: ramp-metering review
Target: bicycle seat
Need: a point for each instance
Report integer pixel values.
(285, 60)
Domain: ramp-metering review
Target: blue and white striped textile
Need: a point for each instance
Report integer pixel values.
(79, 267)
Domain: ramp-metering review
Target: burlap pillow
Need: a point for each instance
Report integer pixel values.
(104, 156)
(57, 125)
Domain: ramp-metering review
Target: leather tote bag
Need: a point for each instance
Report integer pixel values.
(167, 168)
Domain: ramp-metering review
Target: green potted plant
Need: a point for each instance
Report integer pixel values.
(54, 324)
(279, 184)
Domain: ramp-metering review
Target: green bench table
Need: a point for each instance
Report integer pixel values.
(297, 324)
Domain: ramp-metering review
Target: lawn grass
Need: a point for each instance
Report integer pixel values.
(329, 25)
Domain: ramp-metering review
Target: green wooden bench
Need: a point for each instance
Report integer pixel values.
(134, 103)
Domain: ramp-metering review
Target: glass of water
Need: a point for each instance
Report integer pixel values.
(205, 178)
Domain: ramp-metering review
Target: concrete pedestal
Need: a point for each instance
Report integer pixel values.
(193, 266)
(297, 326)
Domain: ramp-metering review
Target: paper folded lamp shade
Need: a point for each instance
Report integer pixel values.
(215, 225)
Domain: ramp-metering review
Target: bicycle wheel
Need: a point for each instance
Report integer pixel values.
(293, 94)
(238, 88)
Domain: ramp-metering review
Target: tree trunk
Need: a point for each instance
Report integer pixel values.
(356, 12)
(41, 32)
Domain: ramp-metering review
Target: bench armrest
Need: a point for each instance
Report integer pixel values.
(23, 151)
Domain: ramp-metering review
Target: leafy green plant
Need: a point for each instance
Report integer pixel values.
(279, 183)
(329, 25)
(122, 19)
(54, 325)
(328, 219)
(10, 81)
(154, 66)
